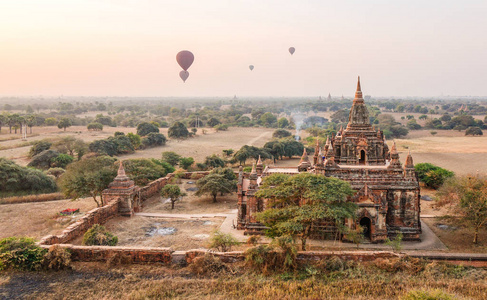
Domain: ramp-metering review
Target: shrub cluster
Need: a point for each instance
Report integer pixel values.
(14, 178)
(22, 253)
(97, 235)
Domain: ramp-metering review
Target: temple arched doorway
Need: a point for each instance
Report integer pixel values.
(366, 225)
(362, 157)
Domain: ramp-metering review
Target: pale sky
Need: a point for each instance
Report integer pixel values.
(128, 48)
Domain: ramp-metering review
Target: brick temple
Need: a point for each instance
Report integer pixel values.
(387, 192)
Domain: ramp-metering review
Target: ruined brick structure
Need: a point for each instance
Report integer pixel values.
(387, 192)
(124, 189)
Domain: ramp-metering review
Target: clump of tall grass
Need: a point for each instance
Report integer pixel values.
(32, 198)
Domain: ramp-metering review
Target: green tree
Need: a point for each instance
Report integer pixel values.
(473, 131)
(296, 203)
(212, 122)
(432, 176)
(88, 178)
(186, 162)
(134, 140)
(223, 242)
(214, 161)
(50, 121)
(15, 178)
(178, 131)
(95, 127)
(64, 123)
(467, 196)
(173, 192)
(153, 139)
(171, 157)
(44, 160)
(228, 152)
(38, 147)
(62, 160)
(71, 145)
(281, 133)
(142, 170)
(268, 119)
(251, 152)
(282, 123)
(145, 128)
(215, 184)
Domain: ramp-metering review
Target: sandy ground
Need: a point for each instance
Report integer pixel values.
(191, 204)
(178, 234)
(39, 219)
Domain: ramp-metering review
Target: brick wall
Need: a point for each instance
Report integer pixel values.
(168, 256)
(98, 215)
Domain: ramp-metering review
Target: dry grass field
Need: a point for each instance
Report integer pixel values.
(198, 147)
(456, 236)
(39, 219)
(378, 280)
(210, 143)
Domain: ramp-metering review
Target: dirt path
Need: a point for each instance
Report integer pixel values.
(263, 134)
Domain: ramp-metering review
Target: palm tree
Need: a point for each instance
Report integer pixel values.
(31, 121)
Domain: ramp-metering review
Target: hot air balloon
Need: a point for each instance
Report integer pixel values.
(185, 59)
(251, 67)
(184, 75)
(291, 50)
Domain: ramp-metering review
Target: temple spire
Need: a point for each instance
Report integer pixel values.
(409, 161)
(358, 93)
(259, 162)
(121, 170)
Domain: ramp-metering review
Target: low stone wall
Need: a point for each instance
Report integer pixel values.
(154, 187)
(141, 255)
(103, 253)
(98, 215)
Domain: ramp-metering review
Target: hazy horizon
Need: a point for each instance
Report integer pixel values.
(106, 48)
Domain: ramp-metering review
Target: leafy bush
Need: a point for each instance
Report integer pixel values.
(222, 241)
(281, 133)
(395, 243)
(62, 160)
(186, 162)
(118, 144)
(57, 258)
(165, 165)
(153, 139)
(171, 157)
(214, 161)
(95, 126)
(143, 171)
(44, 160)
(178, 131)
(14, 178)
(20, 253)
(207, 264)
(432, 176)
(145, 128)
(56, 172)
(98, 235)
(428, 295)
(280, 255)
(38, 147)
(473, 131)
(221, 127)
